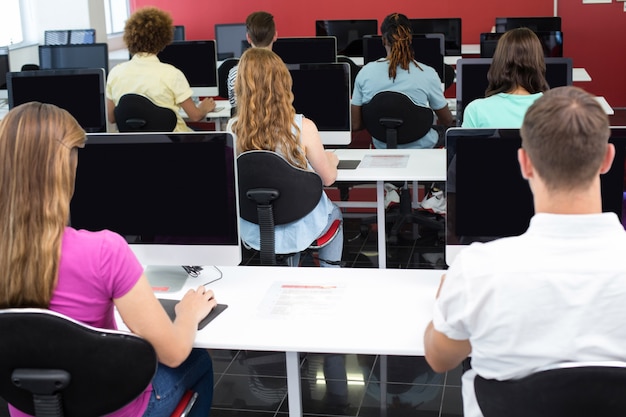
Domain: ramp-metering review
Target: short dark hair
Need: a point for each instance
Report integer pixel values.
(261, 28)
(565, 133)
(148, 30)
(517, 61)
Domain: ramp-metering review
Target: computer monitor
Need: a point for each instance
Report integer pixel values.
(322, 93)
(4, 68)
(198, 61)
(536, 23)
(488, 158)
(230, 38)
(471, 79)
(450, 27)
(348, 33)
(309, 50)
(172, 196)
(79, 91)
(94, 55)
(551, 41)
(179, 33)
(69, 36)
(428, 48)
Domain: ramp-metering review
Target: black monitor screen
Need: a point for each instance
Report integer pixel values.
(79, 91)
(471, 78)
(196, 59)
(348, 33)
(230, 39)
(4, 68)
(306, 50)
(537, 24)
(174, 191)
(322, 94)
(450, 27)
(94, 55)
(551, 41)
(179, 33)
(428, 49)
(490, 156)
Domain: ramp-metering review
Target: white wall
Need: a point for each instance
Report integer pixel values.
(42, 15)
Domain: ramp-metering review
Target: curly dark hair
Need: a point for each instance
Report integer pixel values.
(148, 30)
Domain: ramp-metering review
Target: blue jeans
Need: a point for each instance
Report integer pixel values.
(169, 385)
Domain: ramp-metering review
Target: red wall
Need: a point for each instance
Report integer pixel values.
(594, 35)
(294, 18)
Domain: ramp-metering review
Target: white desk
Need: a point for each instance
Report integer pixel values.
(422, 165)
(347, 310)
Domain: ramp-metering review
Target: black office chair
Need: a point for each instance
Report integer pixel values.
(222, 76)
(30, 67)
(274, 192)
(393, 118)
(576, 390)
(136, 113)
(53, 366)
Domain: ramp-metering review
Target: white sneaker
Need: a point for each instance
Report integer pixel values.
(391, 195)
(435, 201)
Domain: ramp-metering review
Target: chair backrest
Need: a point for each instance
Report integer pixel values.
(39, 348)
(222, 75)
(274, 192)
(392, 117)
(136, 113)
(354, 68)
(571, 391)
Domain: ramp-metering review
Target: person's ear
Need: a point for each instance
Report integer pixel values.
(248, 39)
(275, 36)
(608, 158)
(525, 164)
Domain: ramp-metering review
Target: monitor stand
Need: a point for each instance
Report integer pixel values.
(167, 279)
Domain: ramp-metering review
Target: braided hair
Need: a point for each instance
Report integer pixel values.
(397, 33)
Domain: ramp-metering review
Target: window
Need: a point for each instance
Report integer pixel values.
(117, 12)
(10, 23)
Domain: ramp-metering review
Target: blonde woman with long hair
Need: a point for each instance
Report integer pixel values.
(85, 274)
(267, 120)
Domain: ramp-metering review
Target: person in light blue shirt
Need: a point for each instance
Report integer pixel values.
(516, 79)
(400, 72)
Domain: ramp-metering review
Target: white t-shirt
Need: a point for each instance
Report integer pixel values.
(555, 294)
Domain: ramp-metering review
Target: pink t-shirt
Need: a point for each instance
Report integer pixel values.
(95, 268)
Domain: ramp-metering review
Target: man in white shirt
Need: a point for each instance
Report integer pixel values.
(557, 293)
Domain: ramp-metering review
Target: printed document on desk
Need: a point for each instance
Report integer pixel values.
(315, 300)
(384, 161)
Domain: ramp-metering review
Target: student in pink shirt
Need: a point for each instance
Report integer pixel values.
(85, 274)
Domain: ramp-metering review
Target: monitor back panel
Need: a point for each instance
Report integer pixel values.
(79, 91)
(312, 50)
(450, 27)
(196, 59)
(536, 23)
(348, 33)
(230, 39)
(95, 55)
(322, 94)
(551, 41)
(482, 158)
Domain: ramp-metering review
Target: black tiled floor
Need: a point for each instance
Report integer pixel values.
(253, 384)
